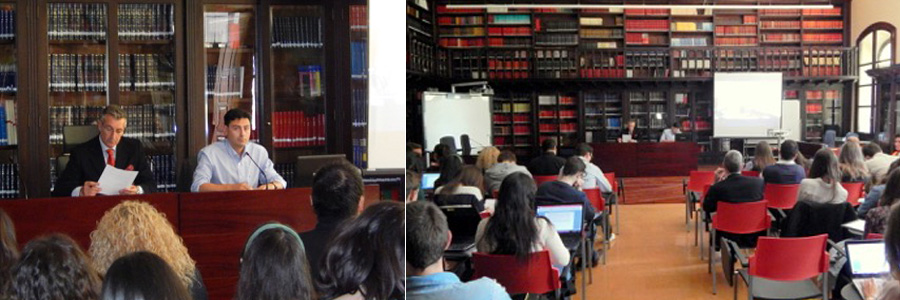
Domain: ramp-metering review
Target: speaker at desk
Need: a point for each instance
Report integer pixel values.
(307, 166)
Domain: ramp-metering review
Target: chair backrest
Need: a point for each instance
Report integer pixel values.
(699, 179)
(611, 177)
(596, 198)
(854, 191)
(538, 180)
(829, 137)
(750, 173)
(782, 196)
(465, 145)
(874, 236)
(789, 258)
(742, 218)
(76, 135)
(533, 275)
(450, 142)
(462, 218)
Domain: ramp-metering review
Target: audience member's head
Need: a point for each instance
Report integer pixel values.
(337, 192)
(585, 150)
(892, 241)
(135, 226)
(788, 150)
(274, 266)
(573, 172)
(427, 236)
(549, 145)
(507, 157)
(763, 156)
(487, 158)
(413, 181)
(468, 176)
(870, 149)
(142, 275)
(891, 189)
(897, 142)
(825, 166)
(54, 267)
(450, 167)
(9, 251)
(366, 256)
(413, 147)
(512, 230)
(852, 162)
(852, 139)
(733, 161)
(440, 151)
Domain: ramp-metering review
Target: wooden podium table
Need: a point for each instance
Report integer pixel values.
(647, 159)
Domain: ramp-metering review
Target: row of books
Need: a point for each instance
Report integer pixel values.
(311, 82)
(298, 129)
(508, 64)
(554, 53)
(77, 72)
(780, 24)
(7, 24)
(602, 33)
(8, 123)
(779, 12)
(420, 56)
(359, 60)
(164, 170)
(287, 170)
(445, 9)
(146, 21)
(656, 96)
(826, 94)
(646, 12)
(599, 45)
(735, 30)
(519, 118)
(359, 17)
(823, 24)
(458, 42)
(143, 72)
(646, 38)
(509, 19)
(781, 37)
(9, 181)
(8, 78)
(508, 31)
(736, 41)
(662, 25)
(647, 59)
(361, 153)
(224, 81)
(297, 32)
(692, 26)
(596, 21)
(691, 12)
(62, 116)
(822, 12)
(562, 128)
(466, 20)
(736, 20)
(814, 108)
(509, 42)
(463, 31)
(76, 21)
(690, 42)
(513, 108)
(508, 75)
(359, 102)
(554, 25)
(556, 39)
(823, 37)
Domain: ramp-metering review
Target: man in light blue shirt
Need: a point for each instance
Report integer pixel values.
(427, 236)
(593, 176)
(235, 163)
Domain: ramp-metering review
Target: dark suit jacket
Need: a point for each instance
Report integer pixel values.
(316, 242)
(87, 164)
(810, 218)
(546, 164)
(736, 188)
(558, 192)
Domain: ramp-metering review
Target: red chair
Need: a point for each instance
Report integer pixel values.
(611, 177)
(696, 183)
(784, 268)
(854, 192)
(538, 180)
(781, 196)
(534, 275)
(875, 236)
(750, 173)
(599, 204)
(737, 218)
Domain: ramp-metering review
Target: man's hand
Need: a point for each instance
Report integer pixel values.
(90, 189)
(243, 186)
(869, 289)
(131, 190)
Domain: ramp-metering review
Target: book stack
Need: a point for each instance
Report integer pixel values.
(507, 31)
(153, 122)
(779, 12)
(445, 9)
(297, 32)
(602, 33)
(9, 181)
(660, 25)
(734, 41)
(224, 81)
(311, 80)
(735, 30)
(822, 12)
(462, 43)
(76, 21)
(62, 116)
(554, 25)
(646, 12)
(690, 42)
(692, 26)
(781, 37)
(146, 72)
(287, 172)
(781, 24)
(509, 19)
(636, 38)
(359, 18)
(823, 24)
(823, 37)
(8, 78)
(359, 61)
(298, 129)
(7, 24)
(463, 31)
(163, 168)
(146, 21)
(466, 20)
(556, 39)
(77, 72)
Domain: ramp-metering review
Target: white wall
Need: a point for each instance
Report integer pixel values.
(387, 84)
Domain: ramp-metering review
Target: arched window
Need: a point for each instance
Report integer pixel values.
(876, 50)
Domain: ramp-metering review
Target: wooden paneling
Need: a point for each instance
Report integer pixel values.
(647, 159)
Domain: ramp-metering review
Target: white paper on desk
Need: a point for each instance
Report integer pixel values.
(114, 180)
(858, 225)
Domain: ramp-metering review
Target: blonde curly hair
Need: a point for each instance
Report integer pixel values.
(135, 226)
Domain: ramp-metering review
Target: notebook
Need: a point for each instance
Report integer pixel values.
(867, 261)
(567, 219)
(428, 180)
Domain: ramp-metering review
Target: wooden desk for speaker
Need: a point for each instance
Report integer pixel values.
(647, 159)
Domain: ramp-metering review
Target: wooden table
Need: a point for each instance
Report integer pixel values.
(647, 159)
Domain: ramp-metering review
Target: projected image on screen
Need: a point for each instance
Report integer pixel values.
(746, 104)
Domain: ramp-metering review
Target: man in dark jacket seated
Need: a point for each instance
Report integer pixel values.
(548, 164)
(735, 188)
(565, 190)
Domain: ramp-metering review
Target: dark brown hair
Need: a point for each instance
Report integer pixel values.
(54, 268)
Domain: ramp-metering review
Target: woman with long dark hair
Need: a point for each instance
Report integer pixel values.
(451, 165)
(824, 182)
(54, 267)
(142, 275)
(274, 266)
(366, 259)
(469, 181)
(762, 158)
(514, 229)
(876, 218)
(852, 163)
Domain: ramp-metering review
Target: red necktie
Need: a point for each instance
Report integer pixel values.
(110, 160)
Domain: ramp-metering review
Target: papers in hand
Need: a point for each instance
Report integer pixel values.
(114, 180)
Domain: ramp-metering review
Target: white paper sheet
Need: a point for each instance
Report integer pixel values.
(114, 180)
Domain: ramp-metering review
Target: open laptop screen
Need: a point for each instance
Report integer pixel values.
(867, 258)
(428, 180)
(566, 218)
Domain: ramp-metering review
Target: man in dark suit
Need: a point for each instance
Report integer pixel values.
(548, 163)
(735, 187)
(109, 148)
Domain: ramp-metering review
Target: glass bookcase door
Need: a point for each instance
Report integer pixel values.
(146, 66)
(9, 171)
(231, 65)
(77, 84)
(359, 82)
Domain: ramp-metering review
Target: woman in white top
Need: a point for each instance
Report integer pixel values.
(469, 181)
(824, 182)
(514, 229)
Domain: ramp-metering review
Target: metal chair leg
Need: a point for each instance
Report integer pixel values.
(618, 216)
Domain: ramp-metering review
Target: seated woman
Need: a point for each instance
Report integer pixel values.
(54, 267)
(891, 289)
(468, 182)
(876, 218)
(450, 166)
(852, 163)
(514, 229)
(762, 158)
(137, 226)
(823, 184)
(365, 259)
(9, 252)
(274, 266)
(487, 158)
(142, 275)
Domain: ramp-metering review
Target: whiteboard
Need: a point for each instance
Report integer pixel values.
(387, 87)
(790, 119)
(746, 104)
(453, 115)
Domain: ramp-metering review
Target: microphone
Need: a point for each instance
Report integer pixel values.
(261, 171)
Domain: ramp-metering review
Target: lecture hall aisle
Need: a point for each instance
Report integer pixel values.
(655, 258)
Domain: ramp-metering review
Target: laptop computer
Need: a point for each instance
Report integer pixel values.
(867, 261)
(428, 180)
(568, 220)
